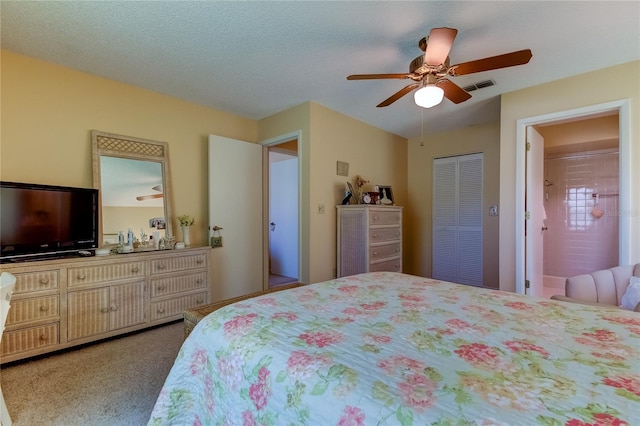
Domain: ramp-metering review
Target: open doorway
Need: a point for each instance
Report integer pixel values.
(580, 197)
(622, 109)
(283, 200)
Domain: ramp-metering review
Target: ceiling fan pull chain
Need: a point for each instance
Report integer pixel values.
(422, 127)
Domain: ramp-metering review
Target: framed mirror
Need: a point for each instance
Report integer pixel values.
(132, 175)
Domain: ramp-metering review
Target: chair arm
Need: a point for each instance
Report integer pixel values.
(584, 302)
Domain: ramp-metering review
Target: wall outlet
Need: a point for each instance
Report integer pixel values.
(320, 208)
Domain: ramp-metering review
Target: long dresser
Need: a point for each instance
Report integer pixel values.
(369, 239)
(61, 303)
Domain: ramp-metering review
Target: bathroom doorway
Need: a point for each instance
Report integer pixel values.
(581, 197)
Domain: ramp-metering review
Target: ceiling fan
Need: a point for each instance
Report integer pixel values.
(430, 71)
(152, 196)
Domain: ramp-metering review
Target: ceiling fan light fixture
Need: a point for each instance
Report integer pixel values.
(428, 96)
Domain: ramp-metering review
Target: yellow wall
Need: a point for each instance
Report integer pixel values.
(469, 140)
(378, 156)
(326, 137)
(611, 84)
(48, 112)
(580, 132)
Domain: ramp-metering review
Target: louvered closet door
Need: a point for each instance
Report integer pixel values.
(445, 219)
(457, 219)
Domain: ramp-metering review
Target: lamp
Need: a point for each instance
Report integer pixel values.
(428, 96)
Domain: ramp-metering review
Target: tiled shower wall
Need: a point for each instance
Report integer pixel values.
(577, 188)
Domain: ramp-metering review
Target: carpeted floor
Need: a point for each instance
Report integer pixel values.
(115, 382)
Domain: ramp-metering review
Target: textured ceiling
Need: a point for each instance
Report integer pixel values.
(255, 59)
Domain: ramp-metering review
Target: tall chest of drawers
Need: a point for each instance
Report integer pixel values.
(369, 239)
(65, 302)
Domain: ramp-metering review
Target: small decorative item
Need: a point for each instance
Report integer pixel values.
(185, 223)
(167, 242)
(216, 239)
(370, 197)
(357, 189)
(386, 196)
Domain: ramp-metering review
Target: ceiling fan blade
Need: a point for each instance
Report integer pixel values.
(400, 93)
(439, 45)
(452, 91)
(149, 197)
(376, 76)
(520, 57)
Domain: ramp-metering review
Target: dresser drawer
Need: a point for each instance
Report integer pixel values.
(381, 217)
(102, 273)
(385, 234)
(178, 284)
(36, 308)
(28, 339)
(161, 266)
(393, 265)
(384, 251)
(36, 281)
(177, 306)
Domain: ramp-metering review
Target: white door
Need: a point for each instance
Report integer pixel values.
(235, 205)
(534, 228)
(283, 214)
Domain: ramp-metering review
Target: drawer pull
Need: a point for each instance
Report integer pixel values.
(43, 336)
(161, 266)
(114, 308)
(81, 277)
(397, 250)
(397, 234)
(375, 253)
(375, 217)
(199, 281)
(104, 310)
(199, 301)
(44, 308)
(375, 235)
(161, 287)
(161, 310)
(199, 261)
(44, 280)
(135, 270)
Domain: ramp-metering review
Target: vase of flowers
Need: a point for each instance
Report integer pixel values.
(360, 182)
(185, 224)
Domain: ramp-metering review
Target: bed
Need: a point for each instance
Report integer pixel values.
(388, 348)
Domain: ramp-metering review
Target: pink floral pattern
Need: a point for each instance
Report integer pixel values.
(388, 348)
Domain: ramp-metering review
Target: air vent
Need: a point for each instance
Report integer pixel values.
(479, 85)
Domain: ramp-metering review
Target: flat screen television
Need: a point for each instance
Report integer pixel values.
(46, 221)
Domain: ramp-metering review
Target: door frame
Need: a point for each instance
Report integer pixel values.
(266, 144)
(622, 106)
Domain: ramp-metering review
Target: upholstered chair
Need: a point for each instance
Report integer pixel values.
(605, 287)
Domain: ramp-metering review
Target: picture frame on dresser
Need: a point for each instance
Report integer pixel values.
(386, 195)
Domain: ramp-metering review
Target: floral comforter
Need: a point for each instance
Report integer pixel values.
(388, 348)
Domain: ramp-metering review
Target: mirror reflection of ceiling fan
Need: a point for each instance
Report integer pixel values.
(430, 71)
(152, 196)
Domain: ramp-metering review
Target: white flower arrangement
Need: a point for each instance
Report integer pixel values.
(186, 220)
